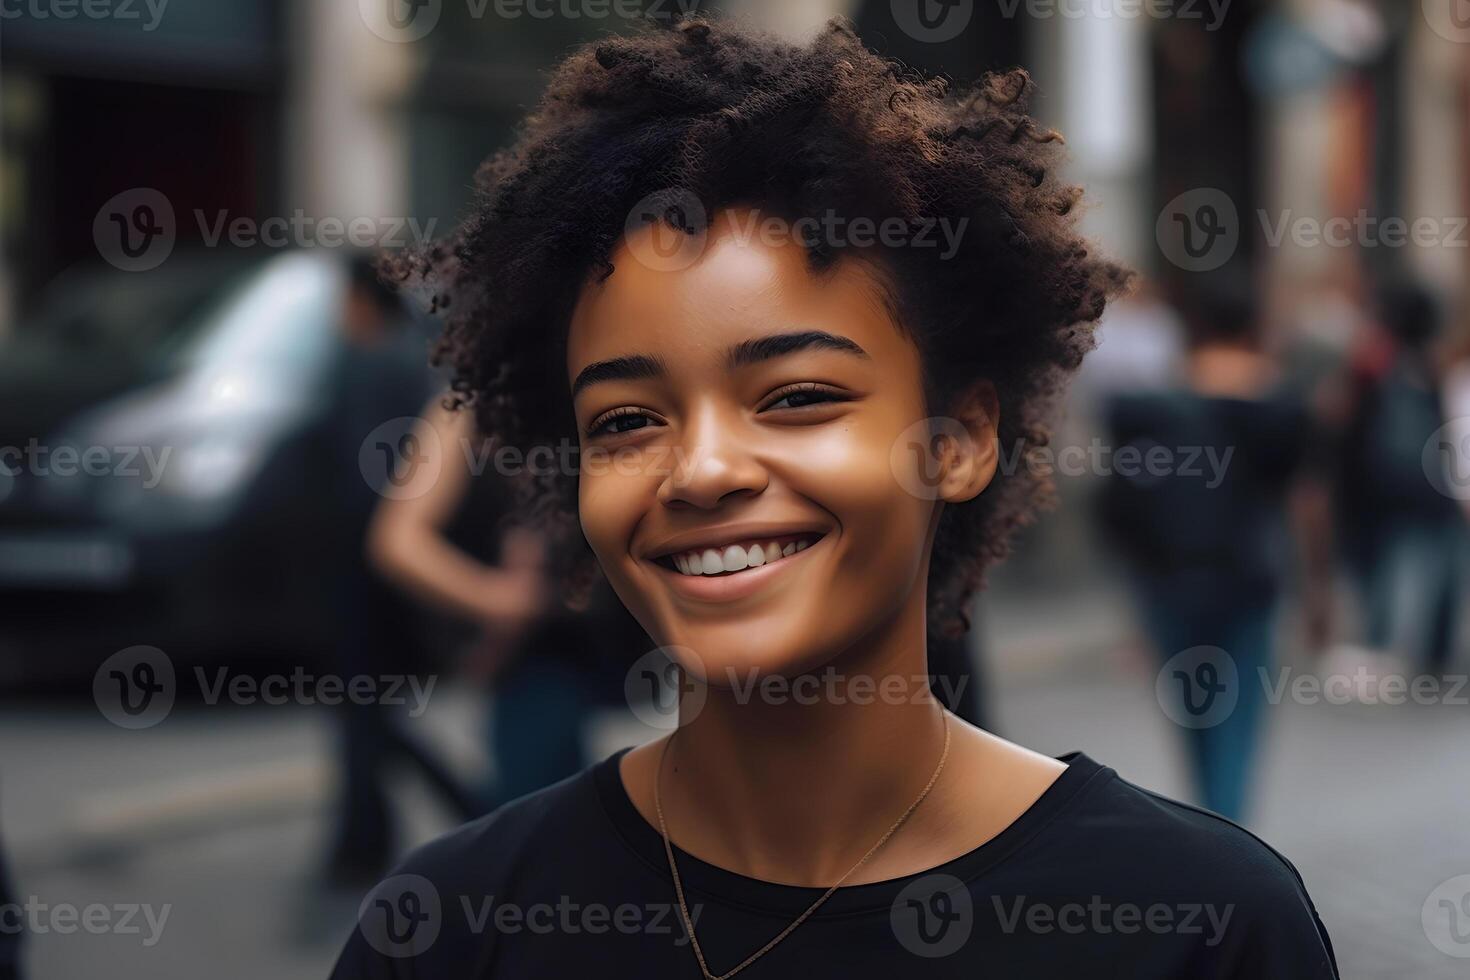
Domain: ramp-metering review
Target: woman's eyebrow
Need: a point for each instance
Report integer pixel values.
(636, 367)
(633, 367)
(780, 344)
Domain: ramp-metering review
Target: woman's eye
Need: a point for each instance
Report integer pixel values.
(622, 422)
(802, 397)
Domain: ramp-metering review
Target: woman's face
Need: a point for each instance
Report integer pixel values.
(738, 423)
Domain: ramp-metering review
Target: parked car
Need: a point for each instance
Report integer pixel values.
(156, 462)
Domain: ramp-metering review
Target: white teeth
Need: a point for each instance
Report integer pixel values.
(734, 559)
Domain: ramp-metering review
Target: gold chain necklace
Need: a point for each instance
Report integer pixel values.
(679, 886)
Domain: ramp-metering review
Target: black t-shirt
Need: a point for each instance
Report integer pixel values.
(1097, 879)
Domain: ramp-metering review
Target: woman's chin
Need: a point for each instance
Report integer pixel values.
(737, 667)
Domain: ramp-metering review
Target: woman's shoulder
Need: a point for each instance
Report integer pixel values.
(1146, 863)
(1174, 860)
(436, 910)
(1181, 839)
(487, 849)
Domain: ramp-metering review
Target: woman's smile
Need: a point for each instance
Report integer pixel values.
(737, 570)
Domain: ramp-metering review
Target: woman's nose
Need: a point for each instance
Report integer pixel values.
(712, 462)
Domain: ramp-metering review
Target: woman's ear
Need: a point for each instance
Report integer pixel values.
(971, 449)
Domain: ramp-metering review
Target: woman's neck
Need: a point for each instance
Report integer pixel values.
(792, 779)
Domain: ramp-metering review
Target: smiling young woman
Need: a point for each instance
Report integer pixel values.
(789, 423)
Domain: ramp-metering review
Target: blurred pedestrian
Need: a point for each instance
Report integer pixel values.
(1401, 521)
(547, 666)
(1456, 458)
(382, 377)
(1203, 535)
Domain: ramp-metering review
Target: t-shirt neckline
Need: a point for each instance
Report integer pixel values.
(708, 882)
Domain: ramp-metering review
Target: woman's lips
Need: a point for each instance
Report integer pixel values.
(729, 586)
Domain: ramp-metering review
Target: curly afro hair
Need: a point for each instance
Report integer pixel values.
(735, 117)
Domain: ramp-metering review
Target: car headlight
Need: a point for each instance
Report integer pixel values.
(209, 468)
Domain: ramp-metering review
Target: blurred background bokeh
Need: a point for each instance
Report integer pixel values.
(205, 405)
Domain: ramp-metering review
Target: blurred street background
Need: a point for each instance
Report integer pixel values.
(206, 400)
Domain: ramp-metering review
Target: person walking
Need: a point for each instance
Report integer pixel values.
(1204, 543)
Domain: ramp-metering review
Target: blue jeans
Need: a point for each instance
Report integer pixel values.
(1224, 753)
(1412, 585)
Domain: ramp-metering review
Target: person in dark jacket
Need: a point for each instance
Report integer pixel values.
(1203, 537)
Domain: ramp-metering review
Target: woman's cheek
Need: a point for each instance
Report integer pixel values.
(845, 468)
(607, 516)
(848, 471)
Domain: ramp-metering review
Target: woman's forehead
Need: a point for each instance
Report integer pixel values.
(740, 284)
